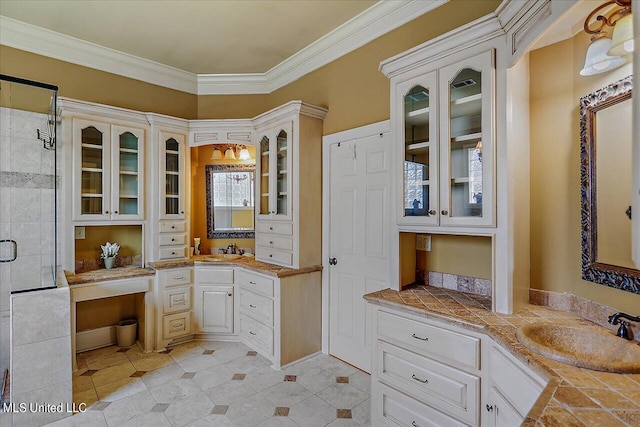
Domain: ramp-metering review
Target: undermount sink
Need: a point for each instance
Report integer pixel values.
(590, 347)
(223, 257)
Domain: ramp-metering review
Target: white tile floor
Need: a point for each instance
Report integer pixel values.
(205, 383)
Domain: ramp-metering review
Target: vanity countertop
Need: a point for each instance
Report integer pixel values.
(118, 273)
(573, 397)
(250, 263)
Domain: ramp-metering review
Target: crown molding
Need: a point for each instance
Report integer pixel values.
(379, 19)
(23, 36)
(372, 23)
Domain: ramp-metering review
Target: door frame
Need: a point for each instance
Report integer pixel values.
(327, 142)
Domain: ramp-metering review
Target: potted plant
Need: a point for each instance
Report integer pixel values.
(109, 253)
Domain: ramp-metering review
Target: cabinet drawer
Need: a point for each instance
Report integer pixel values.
(429, 340)
(284, 243)
(217, 276)
(274, 255)
(256, 306)
(520, 387)
(175, 277)
(172, 227)
(258, 334)
(177, 299)
(255, 283)
(176, 325)
(173, 239)
(285, 229)
(173, 252)
(445, 388)
(393, 408)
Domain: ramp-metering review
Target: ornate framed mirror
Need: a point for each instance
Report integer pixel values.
(230, 193)
(605, 184)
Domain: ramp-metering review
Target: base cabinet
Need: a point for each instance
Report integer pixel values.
(214, 300)
(430, 373)
(215, 309)
(173, 295)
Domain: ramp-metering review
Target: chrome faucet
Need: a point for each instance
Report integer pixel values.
(231, 249)
(623, 331)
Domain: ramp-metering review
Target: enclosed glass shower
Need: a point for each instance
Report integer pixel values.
(28, 195)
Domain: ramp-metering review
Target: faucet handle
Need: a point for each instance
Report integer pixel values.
(623, 331)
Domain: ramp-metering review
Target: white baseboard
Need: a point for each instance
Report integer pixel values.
(95, 338)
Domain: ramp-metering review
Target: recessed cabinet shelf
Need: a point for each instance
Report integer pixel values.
(418, 145)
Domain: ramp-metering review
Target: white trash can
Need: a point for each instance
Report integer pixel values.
(126, 332)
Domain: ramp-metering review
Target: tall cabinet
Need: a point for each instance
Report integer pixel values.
(289, 167)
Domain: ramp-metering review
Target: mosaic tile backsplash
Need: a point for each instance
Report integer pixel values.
(468, 284)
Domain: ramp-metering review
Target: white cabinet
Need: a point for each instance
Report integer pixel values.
(514, 388)
(173, 296)
(443, 118)
(274, 158)
(108, 171)
(172, 174)
(289, 170)
(424, 372)
(214, 300)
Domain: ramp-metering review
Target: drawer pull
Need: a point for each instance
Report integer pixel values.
(418, 379)
(419, 338)
(253, 283)
(252, 333)
(179, 277)
(177, 326)
(252, 306)
(413, 423)
(178, 299)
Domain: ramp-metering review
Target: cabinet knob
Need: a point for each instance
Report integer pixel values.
(229, 294)
(271, 242)
(181, 212)
(173, 240)
(432, 212)
(270, 228)
(270, 255)
(444, 212)
(106, 212)
(173, 253)
(173, 226)
(489, 408)
(115, 212)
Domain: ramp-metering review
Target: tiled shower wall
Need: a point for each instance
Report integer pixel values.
(27, 179)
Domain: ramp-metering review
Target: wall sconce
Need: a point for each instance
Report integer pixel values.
(231, 152)
(605, 54)
(217, 154)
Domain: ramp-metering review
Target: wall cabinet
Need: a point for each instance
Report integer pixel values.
(108, 171)
(172, 175)
(214, 301)
(289, 171)
(444, 121)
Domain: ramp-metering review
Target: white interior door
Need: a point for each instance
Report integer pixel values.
(358, 241)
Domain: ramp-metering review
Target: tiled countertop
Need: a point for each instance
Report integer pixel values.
(130, 272)
(573, 396)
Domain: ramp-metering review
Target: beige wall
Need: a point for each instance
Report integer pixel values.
(556, 88)
(129, 237)
(87, 84)
(461, 255)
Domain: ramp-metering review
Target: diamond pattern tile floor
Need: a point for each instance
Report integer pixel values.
(210, 383)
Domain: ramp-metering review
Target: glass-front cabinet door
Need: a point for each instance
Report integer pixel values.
(263, 184)
(419, 150)
(466, 134)
(91, 142)
(172, 175)
(128, 172)
(275, 173)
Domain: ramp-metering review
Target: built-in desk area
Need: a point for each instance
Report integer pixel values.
(98, 284)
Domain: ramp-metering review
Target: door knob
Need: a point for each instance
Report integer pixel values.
(333, 261)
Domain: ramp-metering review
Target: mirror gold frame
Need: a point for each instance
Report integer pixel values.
(615, 276)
